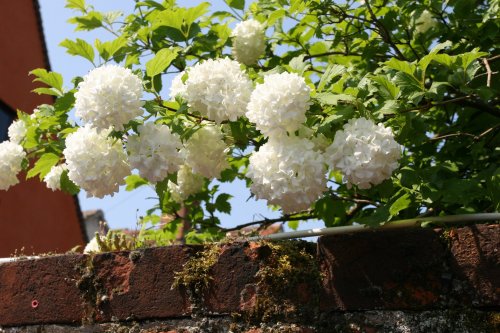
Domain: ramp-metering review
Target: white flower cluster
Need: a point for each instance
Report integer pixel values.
(187, 183)
(279, 104)
(53, 178)
(96, 162)
(17, 131)
(178, 88)
(206, 152)
(364, 152)
(288, 172)
(424, 22)
(248, 41)
(155, 151)
(218, 89)
(11, 158)
(109, 95)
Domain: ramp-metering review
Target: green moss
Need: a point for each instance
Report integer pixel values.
(195, 275)
(289, 266)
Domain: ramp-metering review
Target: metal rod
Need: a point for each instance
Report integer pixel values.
(389, 225)
(3, 260)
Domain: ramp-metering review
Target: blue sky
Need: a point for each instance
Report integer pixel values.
(123, 208)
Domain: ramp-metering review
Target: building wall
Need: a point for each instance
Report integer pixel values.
(31, 216)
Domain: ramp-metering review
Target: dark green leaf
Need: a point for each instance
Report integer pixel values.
(238, 4)
(67, 185)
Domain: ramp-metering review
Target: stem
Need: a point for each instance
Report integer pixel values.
(408, 223)
(266, 222)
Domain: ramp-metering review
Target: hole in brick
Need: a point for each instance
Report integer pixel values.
(34, 304)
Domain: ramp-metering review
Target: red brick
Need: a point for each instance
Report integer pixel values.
(476, 260)
(385, 269)
(233, 274)
(138, 285)
(50, 282)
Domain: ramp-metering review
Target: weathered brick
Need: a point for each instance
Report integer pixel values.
(138, 285)
(385, 269)
(232, 275)
(476, 261)
(41, 291)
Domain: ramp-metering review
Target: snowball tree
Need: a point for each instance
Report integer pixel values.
(349, 111)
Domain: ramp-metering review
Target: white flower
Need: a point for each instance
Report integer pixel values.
(288, 172)
(109, 95)
(206, 152)
(53, 178)
(92, 246)
(17, 131)
(218, 89)
(279, 104)
(187, 183)
(424, 22)
(364, 152)
(96, 162)
(11, 158)
(178, 88)
(248, 41)
(155, 151)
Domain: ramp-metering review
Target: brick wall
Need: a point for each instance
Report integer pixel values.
(413, 280)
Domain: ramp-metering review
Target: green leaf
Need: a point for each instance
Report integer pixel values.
(92, 20)
(108, 49)
(52, 79)
(387, 89)
(425, 61)
(333, 99)
(293, 224)
(67, 185)
(47, 91)
(408, 83)
(330, 211)
(222, 204)
(469, 57)
(238, 4)
(76, 4)
(65, 102)
(331, 72)
(401, 203)
(161, 61)
(445, 59)
(43, 165)
(298, 64)
(134, 181)
(194, 13)
(402, 66)
(79, 47)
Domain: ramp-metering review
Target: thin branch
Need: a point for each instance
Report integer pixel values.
(266, 221)
(431, 104)
(474, 137)
(384, 33)
(488, 72)
(494, 58)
